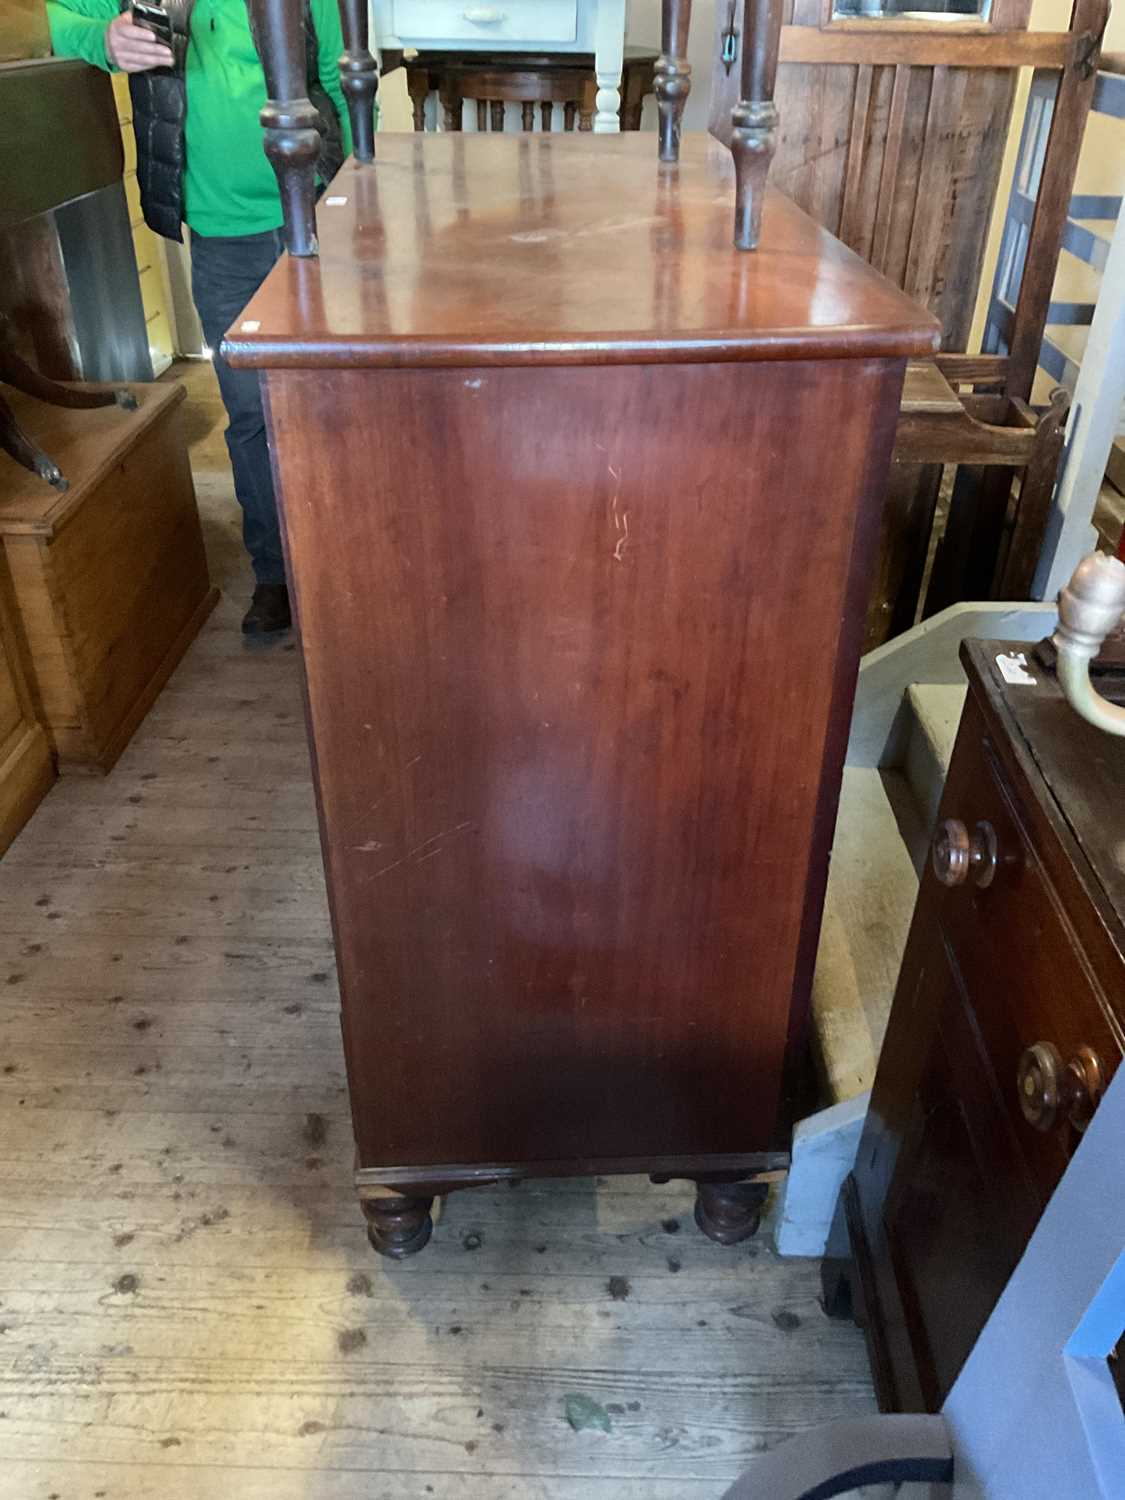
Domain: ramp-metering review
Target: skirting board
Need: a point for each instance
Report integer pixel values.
(824, 1149)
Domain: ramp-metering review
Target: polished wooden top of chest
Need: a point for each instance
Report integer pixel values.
(568, 248)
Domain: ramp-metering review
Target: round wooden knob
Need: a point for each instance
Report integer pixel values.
(957, 853)
(1050, 1089)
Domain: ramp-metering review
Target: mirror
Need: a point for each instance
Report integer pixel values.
(912, 10)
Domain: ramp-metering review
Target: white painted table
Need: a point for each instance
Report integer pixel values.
(562, 26)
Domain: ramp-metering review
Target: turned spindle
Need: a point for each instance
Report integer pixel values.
(359, 77)
(754, 137)
(289, 119)
(672, 75)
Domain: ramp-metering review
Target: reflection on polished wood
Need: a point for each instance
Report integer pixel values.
(480, 254)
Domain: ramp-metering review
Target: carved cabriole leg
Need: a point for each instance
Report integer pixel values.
(14, 441)
(398, 1224)
(672, 76)
(289, 119)
(359, 77)
(754, 137)
(15, 370)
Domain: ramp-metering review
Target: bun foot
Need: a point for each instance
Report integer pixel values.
(729, 1212)
(398, 1226)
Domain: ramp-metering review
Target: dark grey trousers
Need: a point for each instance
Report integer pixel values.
(226, 271)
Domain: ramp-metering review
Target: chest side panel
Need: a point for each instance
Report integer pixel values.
(572, 641)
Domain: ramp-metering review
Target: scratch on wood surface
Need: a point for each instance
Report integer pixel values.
(411, 854)
(619, 550)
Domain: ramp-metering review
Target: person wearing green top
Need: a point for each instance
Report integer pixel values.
(200, 160)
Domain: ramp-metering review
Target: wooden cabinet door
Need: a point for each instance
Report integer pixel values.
(961, 1203)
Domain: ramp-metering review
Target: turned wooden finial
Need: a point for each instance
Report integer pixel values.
(290, 120)
(672, 76)
(754, 138)
(359, 77)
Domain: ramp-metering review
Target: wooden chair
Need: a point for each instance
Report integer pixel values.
(530, 81)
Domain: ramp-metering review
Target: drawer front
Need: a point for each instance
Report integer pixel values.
(962, 1204)
(508, 21)
(1026, 978)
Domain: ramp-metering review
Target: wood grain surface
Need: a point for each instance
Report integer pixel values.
(577, 797)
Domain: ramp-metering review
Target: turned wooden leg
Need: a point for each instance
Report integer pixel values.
(482, 114)
(290, 121)
(569, 112)
(398, 1225)
(729, 1212)
(527, 117)
(359, 77)
(672, 78)
(727, 1209)
(14, 441)
(754, 137)
(497, 107)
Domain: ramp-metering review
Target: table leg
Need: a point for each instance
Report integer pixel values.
(609, 55)
(754, 136)
(673, 75)
(290, 122)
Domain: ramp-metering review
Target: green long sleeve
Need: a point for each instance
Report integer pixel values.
(78, 29)
(229, 186)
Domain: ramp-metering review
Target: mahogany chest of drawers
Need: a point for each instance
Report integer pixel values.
(579, 504)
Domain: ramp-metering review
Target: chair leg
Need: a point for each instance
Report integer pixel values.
(497, 114)
(482, 115)
(1037, 486)
(528, 116)
(569, 112)
(546, 111)
(841, 1456)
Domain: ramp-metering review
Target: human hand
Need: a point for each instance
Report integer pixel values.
(134, 49)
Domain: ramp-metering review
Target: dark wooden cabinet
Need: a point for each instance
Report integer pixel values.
(579, 506)
(1027, 948)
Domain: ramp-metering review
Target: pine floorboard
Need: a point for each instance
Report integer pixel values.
(188, 1306)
